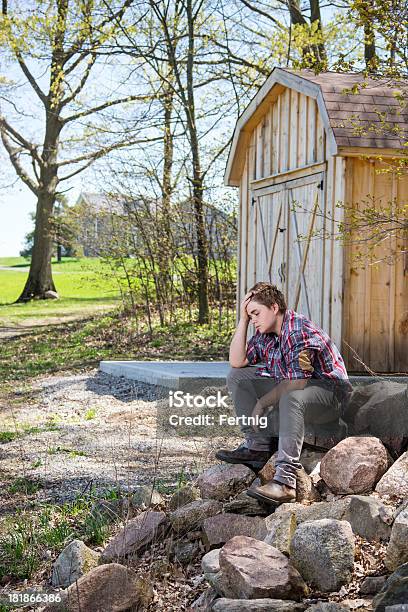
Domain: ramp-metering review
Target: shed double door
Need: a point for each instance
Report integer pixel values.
(289, 245)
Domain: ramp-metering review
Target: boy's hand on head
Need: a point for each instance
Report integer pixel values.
(243, 308)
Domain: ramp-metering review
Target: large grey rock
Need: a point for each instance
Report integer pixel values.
(215, 581)
(136, 535)
(397, 550)
(256, 605)
(183, 496)
(371, 585)
(251, 569)
(384, 414)
(281, 530)
(395, 590)
(395, 481)
(337, 510)
(305, 489)
(328, 606)
(403, 506)
(220, 528)
(184, 552)
(75, 560)
(354, 465)
(210, 563)
(143, 495)
(323, 552)
(365, 517)
(205, 601)
(106, 588)
(192, 515)
(224, 481)
(397, 608)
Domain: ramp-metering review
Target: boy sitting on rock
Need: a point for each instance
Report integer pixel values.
(302, 378)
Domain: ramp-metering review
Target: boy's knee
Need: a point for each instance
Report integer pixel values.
(295, 398)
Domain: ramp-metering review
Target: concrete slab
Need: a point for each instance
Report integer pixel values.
(185, 374)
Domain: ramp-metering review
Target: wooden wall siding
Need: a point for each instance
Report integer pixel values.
(289, 135)
(307, 254)
(376, 296)
(270, 242)
(337, 273)
(401, 290)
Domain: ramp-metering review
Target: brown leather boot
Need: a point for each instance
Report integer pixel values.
(273, 493)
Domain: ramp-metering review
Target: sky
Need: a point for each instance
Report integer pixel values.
(16, 204)
(17, 201)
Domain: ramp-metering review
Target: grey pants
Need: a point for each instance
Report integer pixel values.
(314, 404)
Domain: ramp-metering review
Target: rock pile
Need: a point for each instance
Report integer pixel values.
(294, 557)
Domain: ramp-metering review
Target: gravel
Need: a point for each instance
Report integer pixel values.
(93, 429)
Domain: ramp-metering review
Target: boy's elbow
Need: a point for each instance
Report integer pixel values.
(238, 364)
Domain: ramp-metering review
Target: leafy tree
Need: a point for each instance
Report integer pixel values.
(56, 45)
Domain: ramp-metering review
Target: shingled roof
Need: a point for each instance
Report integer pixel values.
(375, 115)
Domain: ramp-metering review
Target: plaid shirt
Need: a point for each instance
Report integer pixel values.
(302, 350)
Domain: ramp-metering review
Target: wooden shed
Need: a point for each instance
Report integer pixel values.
(303, 145)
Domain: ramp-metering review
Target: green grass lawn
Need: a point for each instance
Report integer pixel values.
(84, 286)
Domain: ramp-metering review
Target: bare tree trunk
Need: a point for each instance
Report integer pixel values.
(315, 17)
(314, 55)
(370, 55)
(40, 275)
(198, 202)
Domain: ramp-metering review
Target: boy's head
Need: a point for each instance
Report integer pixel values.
(266, 307)
(267, 294)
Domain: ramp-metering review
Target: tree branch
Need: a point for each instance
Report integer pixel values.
(255, 9)
(82, 82)
(31, 79)
(96, 109)
(6, 127)
(102, 152)
(13, 154)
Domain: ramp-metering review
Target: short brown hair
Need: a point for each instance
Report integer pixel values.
(267, 294)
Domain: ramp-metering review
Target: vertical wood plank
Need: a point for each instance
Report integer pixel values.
(359, 275)
(401, 290)
(328, 260)
(302, 131)
(244, 229)
(380, 299)
(275, 135)
(251, 214)
(319, 137)
(311, 131)
(284, 131)
(259, 149)
(294, 128)
(393, 282)
(337, 279)
(268, 142)
(346, 274)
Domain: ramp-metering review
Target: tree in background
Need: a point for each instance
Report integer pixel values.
(63, 232)
(64, 38)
